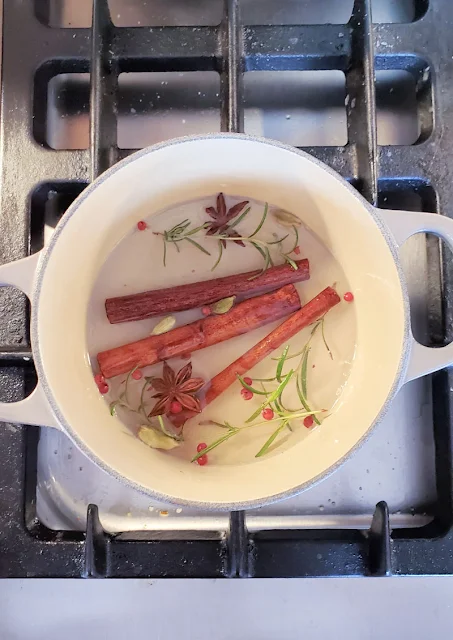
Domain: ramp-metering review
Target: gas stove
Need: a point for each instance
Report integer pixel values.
(370, 95)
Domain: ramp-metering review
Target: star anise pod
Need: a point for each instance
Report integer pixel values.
(179, 387)
(222, 217)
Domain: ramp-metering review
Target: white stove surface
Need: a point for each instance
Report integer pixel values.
(315, 609)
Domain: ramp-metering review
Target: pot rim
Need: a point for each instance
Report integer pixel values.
(72, 433)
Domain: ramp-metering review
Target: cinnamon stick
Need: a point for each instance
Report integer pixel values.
(163, 301)
(308, 314)
(243, 317)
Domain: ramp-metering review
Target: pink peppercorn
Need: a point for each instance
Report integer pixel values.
(246, 394)
(175, 407)
(99, 379)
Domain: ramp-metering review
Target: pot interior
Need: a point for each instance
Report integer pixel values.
(136, 265)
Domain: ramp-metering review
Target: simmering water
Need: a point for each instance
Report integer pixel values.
(136, 264)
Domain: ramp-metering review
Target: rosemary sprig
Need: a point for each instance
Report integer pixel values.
(166, 432)
(165, 252)
(222, 425)
(301, 395)
(281, 362)
(302, 351)
(142, 407)
(116, 403)
(250, 388)
(278, 240)
(220, 255)
(281, 409)
(126, 385)
(274, 398)
(302, 381)
(265, 254)
(288, 414)
(262, 221)
(123, 401)
(261, 243)
(196, 244)
(290, 261)
(179, 233)
(196, 230)
(324, 339)
(286, 255)
(301, 377)
(296, 240)
(232, 431)
(303, 371)
(265, 448)
(182, 232)
(238, 220)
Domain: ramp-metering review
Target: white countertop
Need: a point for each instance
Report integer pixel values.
(354, 608)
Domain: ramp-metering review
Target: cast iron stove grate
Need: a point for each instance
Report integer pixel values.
(31, 171)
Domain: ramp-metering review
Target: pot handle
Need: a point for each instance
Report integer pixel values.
(34, 409)
(403, 224)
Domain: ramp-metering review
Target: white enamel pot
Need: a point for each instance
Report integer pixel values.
(364, 240)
